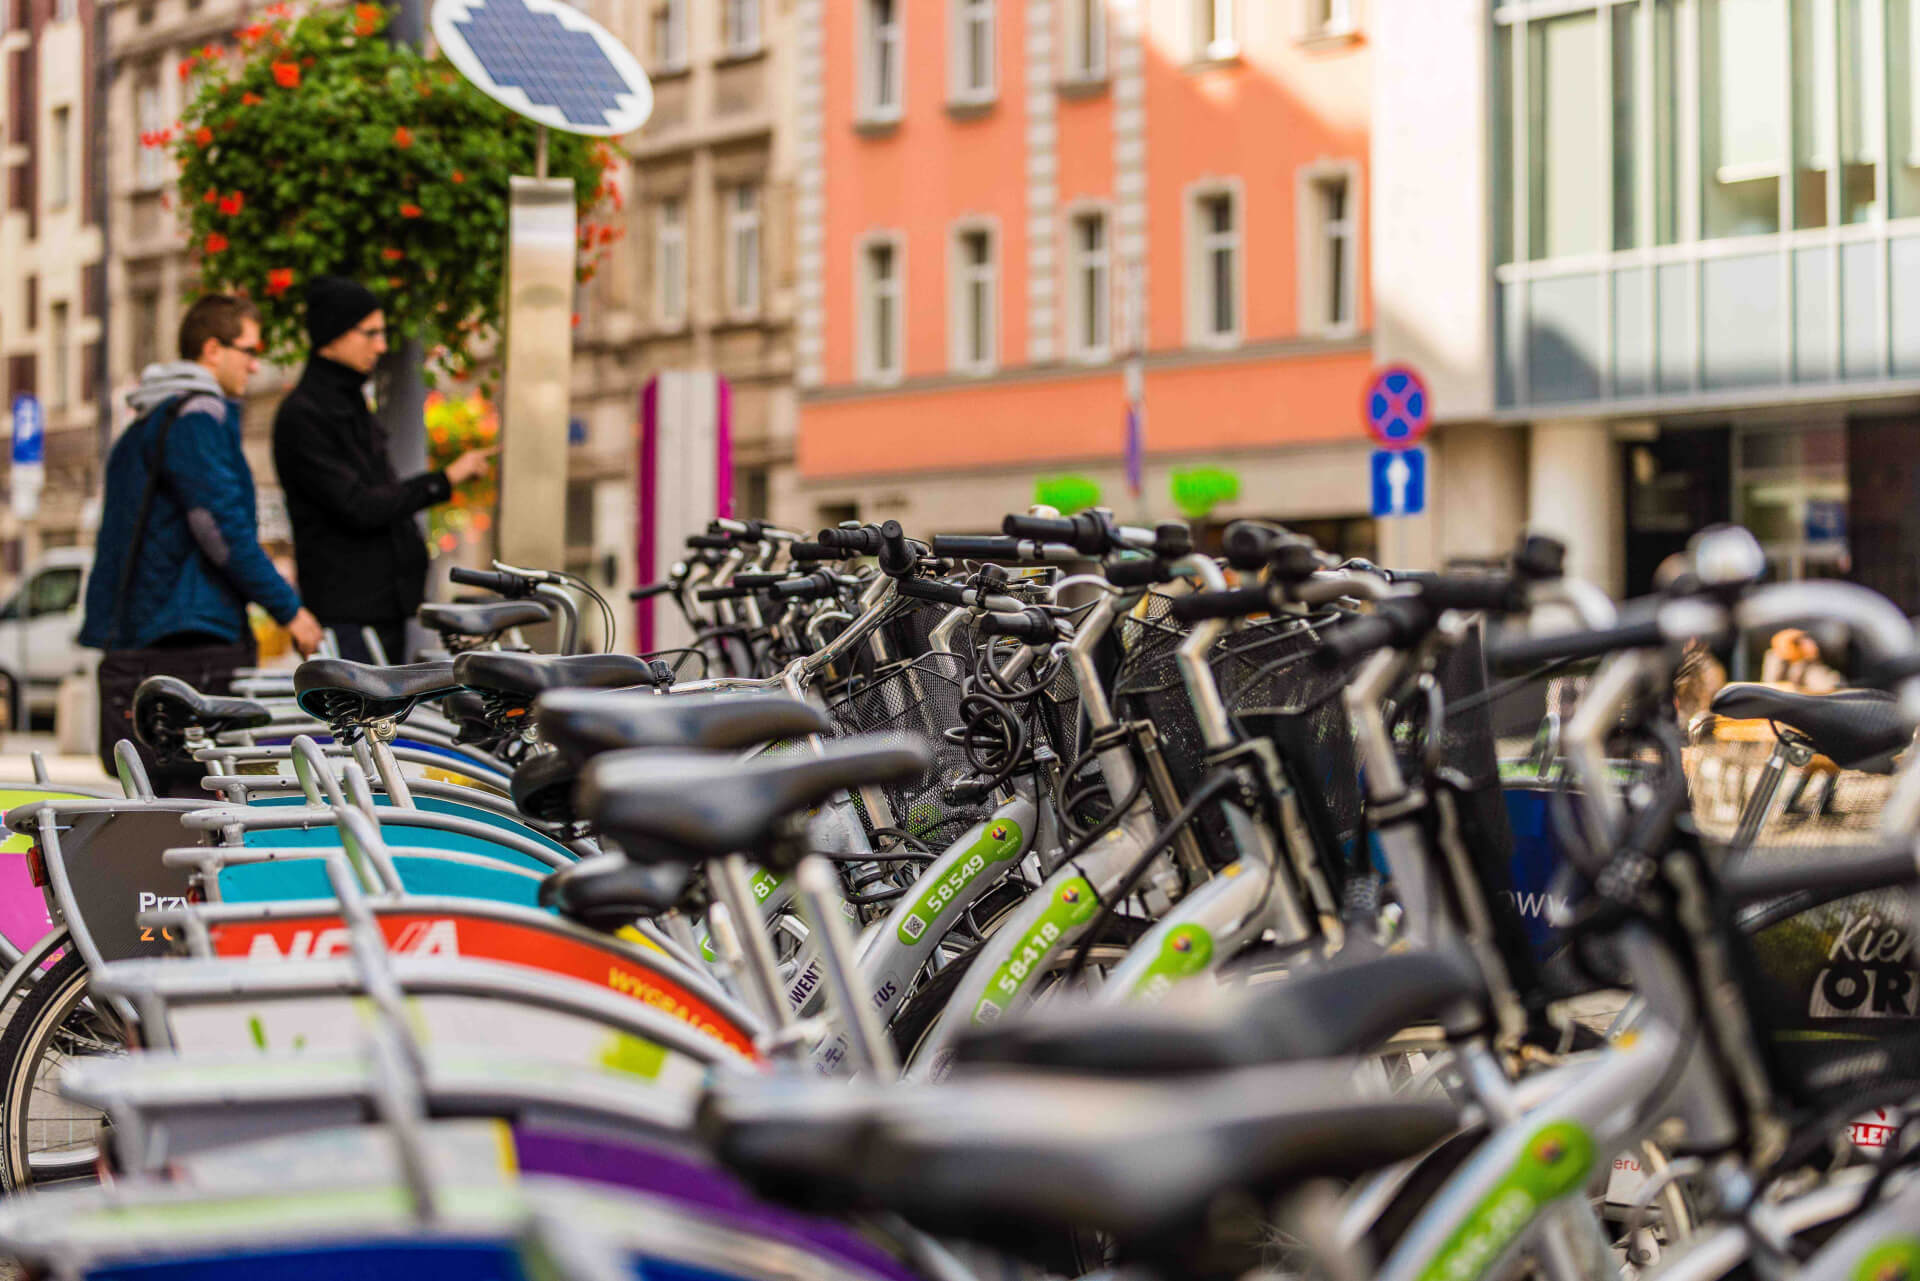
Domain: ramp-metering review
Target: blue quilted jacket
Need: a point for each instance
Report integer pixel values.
(201, 561)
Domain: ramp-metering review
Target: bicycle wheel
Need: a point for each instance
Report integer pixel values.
(45, 1137)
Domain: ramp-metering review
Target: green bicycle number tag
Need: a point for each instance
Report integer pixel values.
(1895, 1260)
(998, 844)
(1184, 953)
(1556, 1161)
(1073, 904)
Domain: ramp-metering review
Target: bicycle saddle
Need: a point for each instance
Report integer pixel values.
(339, 692)
(609, 891)
(527, 676)
(664, 808)
(468, 711)
(585, 725)
(1348, 1009)
(166, 707)
(1012, 1158)
(485, 619)
(542, 787)
(1858, 728)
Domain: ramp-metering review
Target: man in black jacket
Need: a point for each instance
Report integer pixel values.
(361, 559)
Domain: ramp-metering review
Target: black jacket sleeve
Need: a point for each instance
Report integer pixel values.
(312, 464)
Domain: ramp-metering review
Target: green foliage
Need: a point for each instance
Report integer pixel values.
(1198, 490)
(1066, 494)
(314, 146)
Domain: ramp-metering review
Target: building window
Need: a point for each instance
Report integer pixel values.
(743, 27)
(880, 311)
(60, 190)
(670, 263)
(146, 330)
(58, 392)
(1215, 30)
(150, 163)
(973, 323)
(880, 66)
(1214, 276)
(1567, 135)
(1089, 287)
(1324, 19)
(1328, 245)
(1743, 116)
(66, 10)
(669, 35)
(743, 249)
(970, 76)
(1086, 40)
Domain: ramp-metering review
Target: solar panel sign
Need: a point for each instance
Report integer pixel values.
(547, 61)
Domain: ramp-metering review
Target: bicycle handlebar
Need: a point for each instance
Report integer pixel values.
(1238, 603)
(1141, 571)
(1848, 870)
(1532, 651)
(1033, 626)
(930, 589)
(511, 585)
(650, 591)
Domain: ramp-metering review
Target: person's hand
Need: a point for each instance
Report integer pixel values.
(471, 464)
(305, 631)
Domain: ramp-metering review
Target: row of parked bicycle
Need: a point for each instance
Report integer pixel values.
(1066, 901)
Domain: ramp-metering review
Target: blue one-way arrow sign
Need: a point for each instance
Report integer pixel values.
(1399, 482)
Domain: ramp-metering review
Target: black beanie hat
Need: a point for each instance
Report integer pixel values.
(335, 305)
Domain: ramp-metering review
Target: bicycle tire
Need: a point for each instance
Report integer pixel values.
(44, 1009)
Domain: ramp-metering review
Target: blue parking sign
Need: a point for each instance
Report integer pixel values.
(29, 429)
(1399, 482)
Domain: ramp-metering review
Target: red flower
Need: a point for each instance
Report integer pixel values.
(459, 177)
(211, 197)
(216, 243)
(286, 75)
(366, 19)
(186, 67)
(231, 205)
(411, 211)
(251, 100)
(203, 135)
(280, 10)
(279, 280)
(392, 255)
(403, 137)
(253, 34)
(394, 282)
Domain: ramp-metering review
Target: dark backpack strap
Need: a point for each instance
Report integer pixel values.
(155, 467)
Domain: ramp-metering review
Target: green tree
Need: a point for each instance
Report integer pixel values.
(313, 146)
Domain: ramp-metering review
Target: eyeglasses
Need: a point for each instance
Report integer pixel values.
(254, 352)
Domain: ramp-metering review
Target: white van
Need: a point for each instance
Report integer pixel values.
(40, 634)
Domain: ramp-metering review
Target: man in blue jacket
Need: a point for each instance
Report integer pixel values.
(179, 554)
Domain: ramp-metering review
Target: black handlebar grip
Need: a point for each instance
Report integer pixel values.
(1044, 529)
(1493, 593)
(933, 590)
(1532, 651)
(810, 587)
(897, 556)
(1029, 625)
(650, 591)
(729, 592)
(492, 580)
(812, 551)
(977, 547)
(757, 582)
(710, 542)
(1246, 545)
(1395, 623)
(865, 541)
(1235, 603)
(1136, 571)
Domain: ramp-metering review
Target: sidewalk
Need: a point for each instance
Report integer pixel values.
(16, 765)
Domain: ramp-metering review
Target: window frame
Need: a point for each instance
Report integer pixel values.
(961, 279)
(1200, 300)
(866, 368)
(1317, 233)
(871, 110)
(1074, 36)
(60, 343)
(1342, 20)
(740, 221)
(731, 38)
(60, 144)
(149, 163)
(672, 53)
(962, 17)
(670, 233)
(1208, 44)
(1076, 259)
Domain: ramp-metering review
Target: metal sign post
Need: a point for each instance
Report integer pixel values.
(549, 62)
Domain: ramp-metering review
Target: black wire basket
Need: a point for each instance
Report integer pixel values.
(917, 701)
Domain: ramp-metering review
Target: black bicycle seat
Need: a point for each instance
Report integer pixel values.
(468, 711)
(542, 787)
(489, 618)
(673, 808)
(166, 707)
(1858, 728)
(1350, 1008)
(610, 891)
(339, 692)
(585, 725)
(527, 676)
(1013, 1159)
